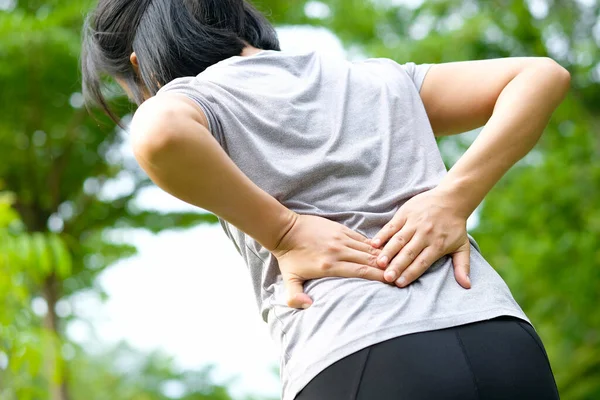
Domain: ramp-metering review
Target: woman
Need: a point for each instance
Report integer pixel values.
(326, 176)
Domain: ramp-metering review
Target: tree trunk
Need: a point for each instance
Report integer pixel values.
(58, 390)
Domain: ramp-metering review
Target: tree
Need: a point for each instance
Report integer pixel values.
(32, 356)
(539, 228)
(25, 261)
(57, 162)
(133, 375)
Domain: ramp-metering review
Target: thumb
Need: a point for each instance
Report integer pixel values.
(462, 265)
(295, 292)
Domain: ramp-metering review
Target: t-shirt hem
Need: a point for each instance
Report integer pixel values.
(301, 370)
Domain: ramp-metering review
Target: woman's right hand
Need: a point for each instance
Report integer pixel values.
(315, 247)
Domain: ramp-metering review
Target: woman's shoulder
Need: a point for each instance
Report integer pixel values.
(164, 113)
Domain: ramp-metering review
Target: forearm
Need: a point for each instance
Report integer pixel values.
(520, 115)
(189, 163)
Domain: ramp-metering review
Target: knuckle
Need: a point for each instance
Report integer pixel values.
(391, 227)
(326, 266)
(428, 227)
(399, 239)
(333, 248)
(439, 243)
(372, 260)
(362, 271)
(423, 263)
(410, 254)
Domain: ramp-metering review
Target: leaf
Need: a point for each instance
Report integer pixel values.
(24, 252)
(43, 257)
(63, 264)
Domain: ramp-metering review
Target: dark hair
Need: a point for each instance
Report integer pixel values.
(171, 39)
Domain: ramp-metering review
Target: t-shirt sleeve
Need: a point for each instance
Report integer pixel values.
(416, 73)
(191, 88)
(407, 72)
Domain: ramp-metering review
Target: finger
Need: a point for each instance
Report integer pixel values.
(357, 236)
(421, 264)
(295, 292)
(395, 244)
(363, 247)
(388, 230)
(462, 266)
(406, 257)
(359, 257)
(356, 270)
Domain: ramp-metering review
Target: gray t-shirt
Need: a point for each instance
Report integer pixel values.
(351, 142)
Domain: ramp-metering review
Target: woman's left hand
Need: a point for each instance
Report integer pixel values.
(315, 247)
(426, 228)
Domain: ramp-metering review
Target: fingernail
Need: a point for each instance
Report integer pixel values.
(383, 260)
(401, 281)
(377, 242)
(390, 276)
(305, 306)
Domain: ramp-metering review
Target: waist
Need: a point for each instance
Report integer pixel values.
(343, 307)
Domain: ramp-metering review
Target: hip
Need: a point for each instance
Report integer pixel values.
(500, 358)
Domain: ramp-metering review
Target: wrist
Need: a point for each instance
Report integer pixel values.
(457, 194)
(283, 222)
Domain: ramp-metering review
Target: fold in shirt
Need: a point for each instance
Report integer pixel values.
(351, 142)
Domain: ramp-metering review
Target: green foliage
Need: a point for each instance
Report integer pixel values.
(540, 227)
(132, 375)
(58, 160)
(25, 260)
(57, 163)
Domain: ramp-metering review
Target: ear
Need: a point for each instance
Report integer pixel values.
(134, 60)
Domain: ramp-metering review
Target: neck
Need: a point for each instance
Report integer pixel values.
(249, 51)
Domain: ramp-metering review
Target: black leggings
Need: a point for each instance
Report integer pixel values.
(502, 358)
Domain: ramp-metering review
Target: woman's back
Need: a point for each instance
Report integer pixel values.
(325, 136)
(350, 142)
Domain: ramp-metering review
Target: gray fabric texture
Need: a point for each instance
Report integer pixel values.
(351, 142)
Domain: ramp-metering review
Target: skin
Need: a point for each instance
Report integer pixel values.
(513, 97)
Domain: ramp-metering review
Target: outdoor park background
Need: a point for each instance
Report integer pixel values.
(83, 315)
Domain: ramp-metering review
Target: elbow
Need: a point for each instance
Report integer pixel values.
(559, 76)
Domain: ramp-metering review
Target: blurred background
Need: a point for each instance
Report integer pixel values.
(111, 289)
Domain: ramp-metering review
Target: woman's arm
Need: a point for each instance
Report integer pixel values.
(173, 145)
(514, 98)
